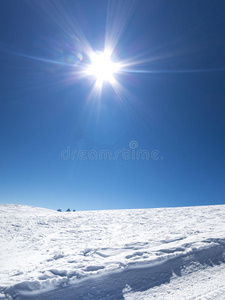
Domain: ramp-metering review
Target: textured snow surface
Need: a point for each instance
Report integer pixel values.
(167, 253)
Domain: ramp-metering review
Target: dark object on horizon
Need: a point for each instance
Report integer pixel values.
(59, 209)
(68, 209)
(74, 210)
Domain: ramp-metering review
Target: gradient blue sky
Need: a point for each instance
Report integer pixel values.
(175, 105)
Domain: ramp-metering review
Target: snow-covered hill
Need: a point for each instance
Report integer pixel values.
(167, 253)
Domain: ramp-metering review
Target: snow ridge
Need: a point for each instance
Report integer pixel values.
(137, 277)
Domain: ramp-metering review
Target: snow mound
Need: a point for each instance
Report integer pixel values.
(105, 254)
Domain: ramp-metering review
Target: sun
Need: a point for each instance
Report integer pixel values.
(102, 67)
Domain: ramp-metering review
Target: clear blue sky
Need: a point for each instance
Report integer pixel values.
(175, 104)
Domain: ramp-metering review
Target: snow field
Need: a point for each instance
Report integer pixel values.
(120, 254)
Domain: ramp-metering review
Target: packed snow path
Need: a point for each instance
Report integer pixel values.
(168, 253)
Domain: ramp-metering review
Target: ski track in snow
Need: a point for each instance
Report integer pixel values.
(165, 253)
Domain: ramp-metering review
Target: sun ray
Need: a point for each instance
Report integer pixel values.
(118, 14)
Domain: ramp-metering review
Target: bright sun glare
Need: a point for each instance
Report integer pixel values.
(102, 67)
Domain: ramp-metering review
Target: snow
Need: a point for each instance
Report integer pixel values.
(164, 253)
